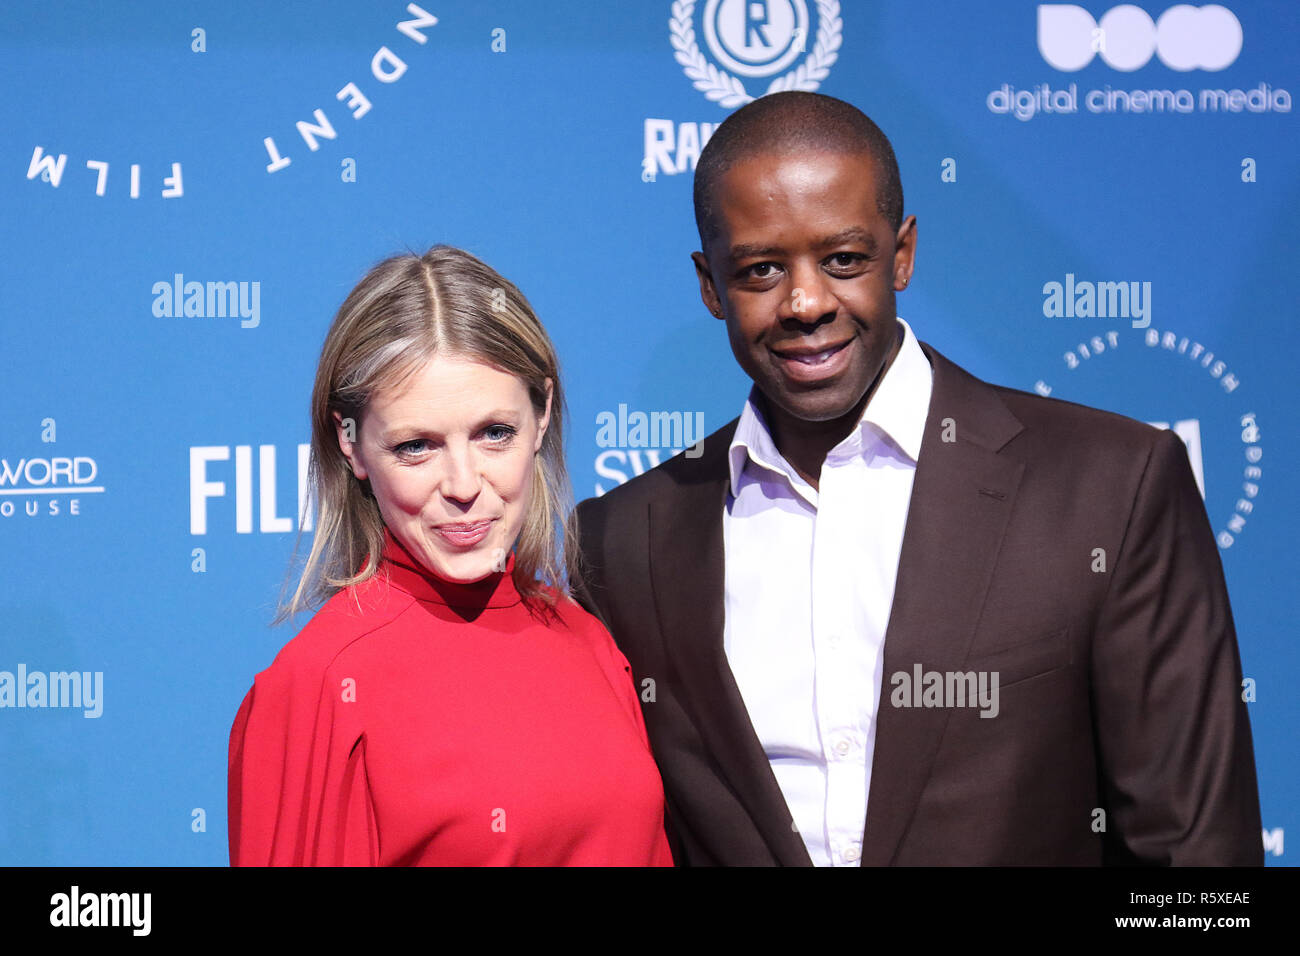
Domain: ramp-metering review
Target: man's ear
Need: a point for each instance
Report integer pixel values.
(545, 420)
(346, 431)
(904, 253)
(708, 293)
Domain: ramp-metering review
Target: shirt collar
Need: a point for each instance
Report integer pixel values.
(896, 413)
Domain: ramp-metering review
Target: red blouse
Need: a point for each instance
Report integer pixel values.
(419, 721)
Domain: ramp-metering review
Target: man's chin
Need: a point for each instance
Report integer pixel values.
(824, 406)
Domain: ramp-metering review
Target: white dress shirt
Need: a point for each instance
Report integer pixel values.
(810, 579)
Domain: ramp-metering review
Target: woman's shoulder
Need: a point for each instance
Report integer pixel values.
(558, 607)
(575, 618)
(348, 617)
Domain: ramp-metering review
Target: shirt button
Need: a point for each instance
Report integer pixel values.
(842, 746)
(852, 854)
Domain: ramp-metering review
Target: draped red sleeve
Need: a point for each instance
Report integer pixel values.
(299, 794)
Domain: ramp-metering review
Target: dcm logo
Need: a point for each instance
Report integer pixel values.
(1185, 37)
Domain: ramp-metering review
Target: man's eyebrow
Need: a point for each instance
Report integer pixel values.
(851, 235)
(746, 250)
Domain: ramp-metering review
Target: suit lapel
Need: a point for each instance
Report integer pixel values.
(962, 496)
(687, 577)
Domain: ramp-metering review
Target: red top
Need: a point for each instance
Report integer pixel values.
(419, 721)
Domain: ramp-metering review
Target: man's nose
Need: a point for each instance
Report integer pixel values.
(809, 298)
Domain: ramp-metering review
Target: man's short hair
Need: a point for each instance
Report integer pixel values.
(793, 122)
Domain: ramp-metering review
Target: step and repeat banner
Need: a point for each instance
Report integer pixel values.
(1106, 198)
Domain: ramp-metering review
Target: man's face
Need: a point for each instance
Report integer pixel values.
(803, 268)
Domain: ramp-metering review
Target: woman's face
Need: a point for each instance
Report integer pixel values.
(450, 457)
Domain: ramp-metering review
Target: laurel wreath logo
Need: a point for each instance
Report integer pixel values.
(727, 90)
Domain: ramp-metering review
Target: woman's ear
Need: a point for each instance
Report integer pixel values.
(545, 418)
(346, 430)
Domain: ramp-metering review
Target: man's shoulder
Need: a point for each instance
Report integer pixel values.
(1058, 421)
(1050, 424)
(703, 463)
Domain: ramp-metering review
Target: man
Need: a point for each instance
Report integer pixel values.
(893, 614)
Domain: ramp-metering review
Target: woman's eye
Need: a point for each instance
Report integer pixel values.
(412, 447)
(499, 434)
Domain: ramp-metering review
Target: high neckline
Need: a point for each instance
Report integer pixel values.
(408, 574)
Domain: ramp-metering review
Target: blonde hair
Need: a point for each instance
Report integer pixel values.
(404, 311)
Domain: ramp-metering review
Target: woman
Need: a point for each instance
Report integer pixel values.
(449, 704)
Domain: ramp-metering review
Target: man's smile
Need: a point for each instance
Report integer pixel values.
(813, 363)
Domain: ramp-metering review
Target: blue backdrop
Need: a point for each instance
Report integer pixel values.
(1106, 205)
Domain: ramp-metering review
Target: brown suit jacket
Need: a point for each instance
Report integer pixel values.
(1121, 735)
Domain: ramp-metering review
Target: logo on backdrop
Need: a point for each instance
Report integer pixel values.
(1225, 435)
(751, 48)
(1184, 38)
(386, 67)
(47, 485)
(209, 467)
(754, 39)
(49, 169)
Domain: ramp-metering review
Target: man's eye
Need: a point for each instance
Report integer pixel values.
(845, 260)
(412, 447)
(762, 270)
